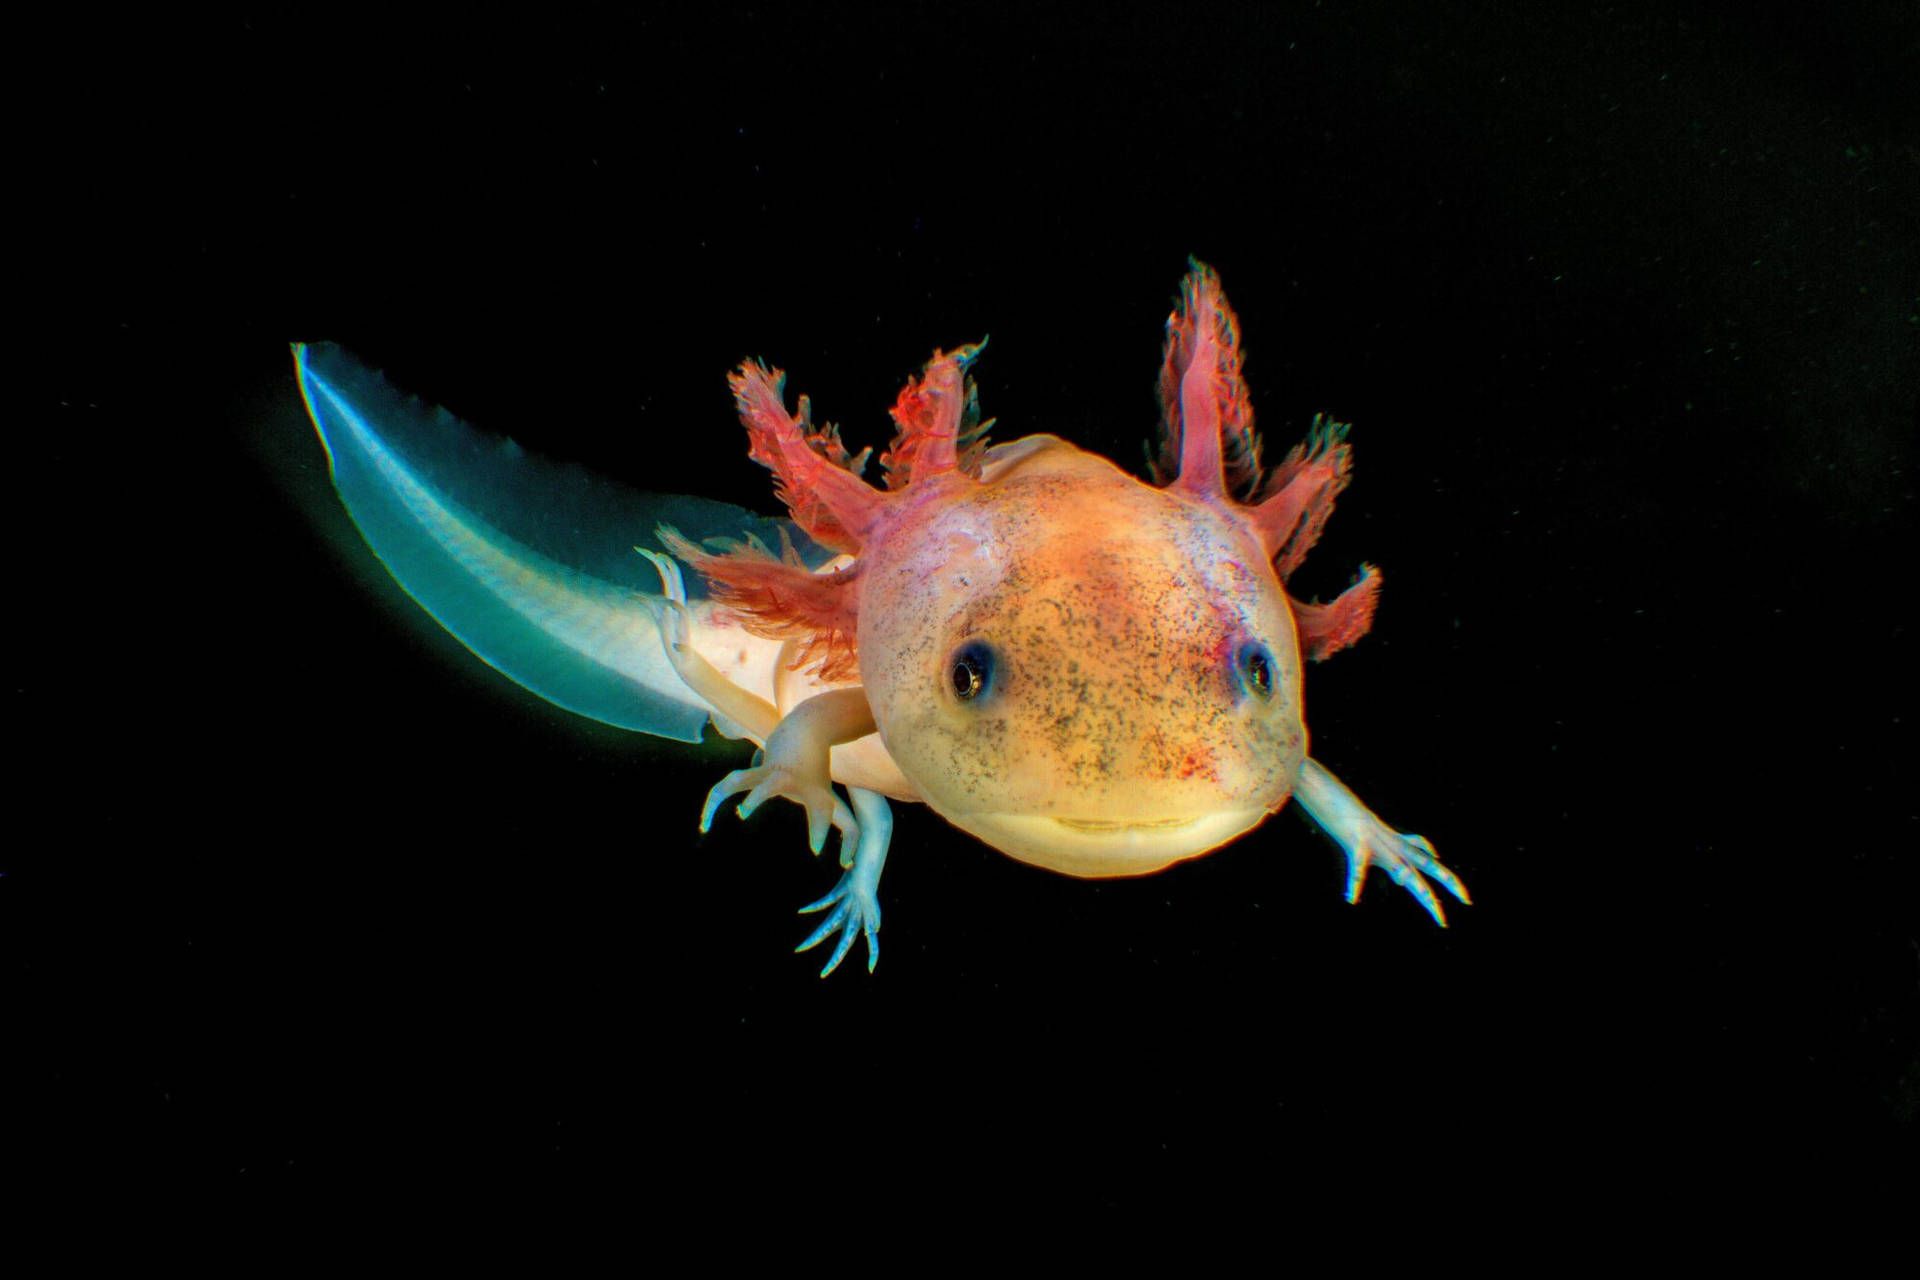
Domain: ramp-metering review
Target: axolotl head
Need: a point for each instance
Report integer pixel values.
(1089, 672)
(1085, 672)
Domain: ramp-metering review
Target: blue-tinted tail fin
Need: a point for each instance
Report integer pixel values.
(528, 563)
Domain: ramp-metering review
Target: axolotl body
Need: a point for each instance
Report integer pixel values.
(1088, 672)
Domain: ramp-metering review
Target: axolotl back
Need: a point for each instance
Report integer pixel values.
(1091, 673)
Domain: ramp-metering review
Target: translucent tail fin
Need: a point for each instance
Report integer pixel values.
(529, 564)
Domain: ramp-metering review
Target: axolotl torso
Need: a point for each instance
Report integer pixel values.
(1090, 673)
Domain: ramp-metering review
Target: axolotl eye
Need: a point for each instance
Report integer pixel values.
(1254, 665)
(970, 670)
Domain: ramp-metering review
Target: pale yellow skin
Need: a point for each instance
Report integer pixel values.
(1117, 736)
(1089, 673)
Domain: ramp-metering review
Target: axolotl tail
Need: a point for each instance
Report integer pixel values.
(530, 564)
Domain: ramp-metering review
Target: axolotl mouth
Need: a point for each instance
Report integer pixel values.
(1101, 847)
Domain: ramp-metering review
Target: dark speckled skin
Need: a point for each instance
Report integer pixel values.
(1115, 612)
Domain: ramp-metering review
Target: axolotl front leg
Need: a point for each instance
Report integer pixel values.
(795, 762)
(1408, 859)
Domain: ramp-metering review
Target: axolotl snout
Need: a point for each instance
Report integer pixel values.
(1088, 672)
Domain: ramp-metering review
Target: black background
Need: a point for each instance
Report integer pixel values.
(1624, 304)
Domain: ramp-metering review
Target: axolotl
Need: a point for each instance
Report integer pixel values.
(1091, 673)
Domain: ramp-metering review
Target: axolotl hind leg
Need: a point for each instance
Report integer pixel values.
(795, 763)
(1409, 859)
(855, 901)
